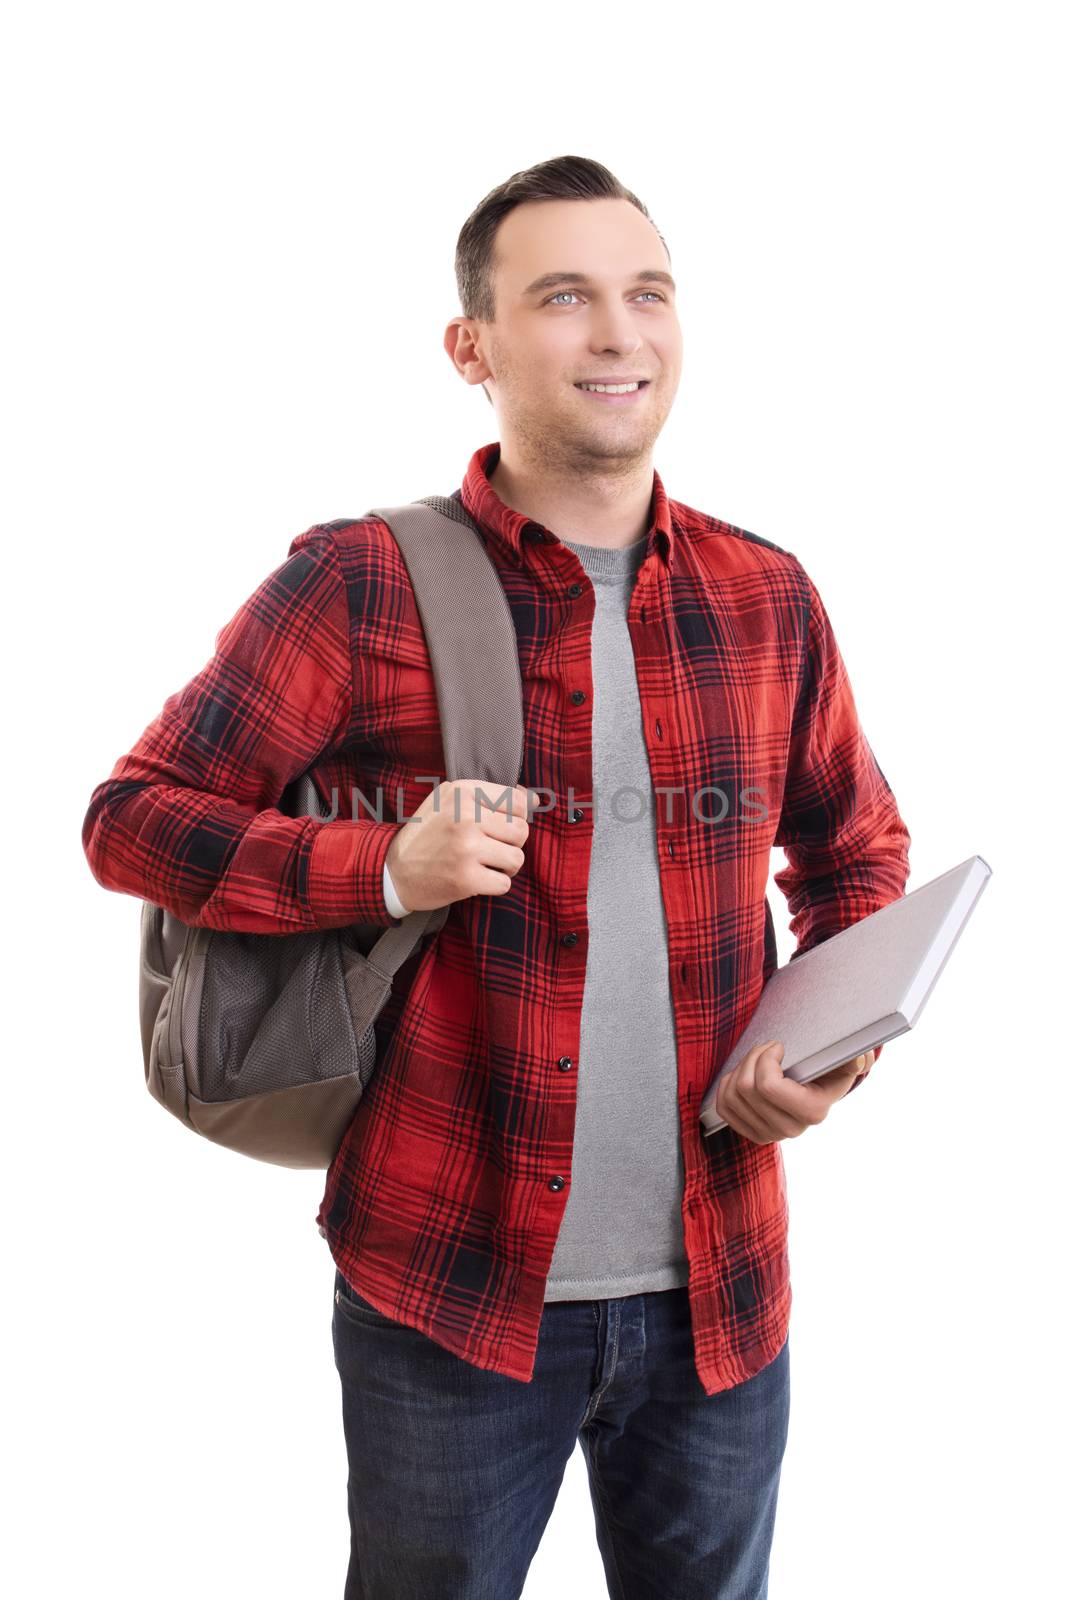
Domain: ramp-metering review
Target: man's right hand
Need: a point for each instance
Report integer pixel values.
(456, 845)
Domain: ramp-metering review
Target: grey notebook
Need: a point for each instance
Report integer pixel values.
(865, 985)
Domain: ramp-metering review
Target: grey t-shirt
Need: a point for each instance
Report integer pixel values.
(622, 1226)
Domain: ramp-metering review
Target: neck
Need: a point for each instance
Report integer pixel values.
(608, 508)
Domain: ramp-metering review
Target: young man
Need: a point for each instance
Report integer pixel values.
(533, 1242)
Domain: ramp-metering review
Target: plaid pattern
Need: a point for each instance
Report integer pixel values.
(443, 1203)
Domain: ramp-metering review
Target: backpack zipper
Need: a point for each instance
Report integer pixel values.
(175, 1059)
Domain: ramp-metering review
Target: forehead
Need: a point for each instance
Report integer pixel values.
(607, 241)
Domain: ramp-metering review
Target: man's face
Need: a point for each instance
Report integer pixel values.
(546, 339)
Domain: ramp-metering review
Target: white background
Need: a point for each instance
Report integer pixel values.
(229, 265)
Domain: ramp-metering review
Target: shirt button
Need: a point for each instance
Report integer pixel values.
(556, 1183)
(569, 939)
(574, 590)
(534, 533)
(564, 1063)
(577, 696)
(670, 847)
(576, 815)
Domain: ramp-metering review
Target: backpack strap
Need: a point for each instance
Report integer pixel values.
(470, 635)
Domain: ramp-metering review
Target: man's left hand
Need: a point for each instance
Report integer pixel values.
(759, 1101)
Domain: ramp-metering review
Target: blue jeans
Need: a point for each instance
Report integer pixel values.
(453, 1471)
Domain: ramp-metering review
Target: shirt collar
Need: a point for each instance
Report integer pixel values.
(515, 532)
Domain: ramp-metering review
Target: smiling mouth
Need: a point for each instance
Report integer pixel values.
(625, 398)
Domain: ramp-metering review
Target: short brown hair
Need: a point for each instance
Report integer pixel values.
(562, 178)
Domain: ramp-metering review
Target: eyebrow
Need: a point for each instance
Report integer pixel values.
(553, 280)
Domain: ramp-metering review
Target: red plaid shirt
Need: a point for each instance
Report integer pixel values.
(443, 1204)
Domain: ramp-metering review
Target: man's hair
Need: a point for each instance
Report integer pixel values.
(563, 178)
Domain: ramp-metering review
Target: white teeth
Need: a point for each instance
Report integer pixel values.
(609, 388)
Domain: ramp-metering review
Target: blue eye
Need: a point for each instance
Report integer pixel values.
(641, 296)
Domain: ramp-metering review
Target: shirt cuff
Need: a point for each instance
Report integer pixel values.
(345, 873)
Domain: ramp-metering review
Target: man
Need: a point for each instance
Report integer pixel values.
(533, 1242)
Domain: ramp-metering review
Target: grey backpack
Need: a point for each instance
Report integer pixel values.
(264, 1043)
